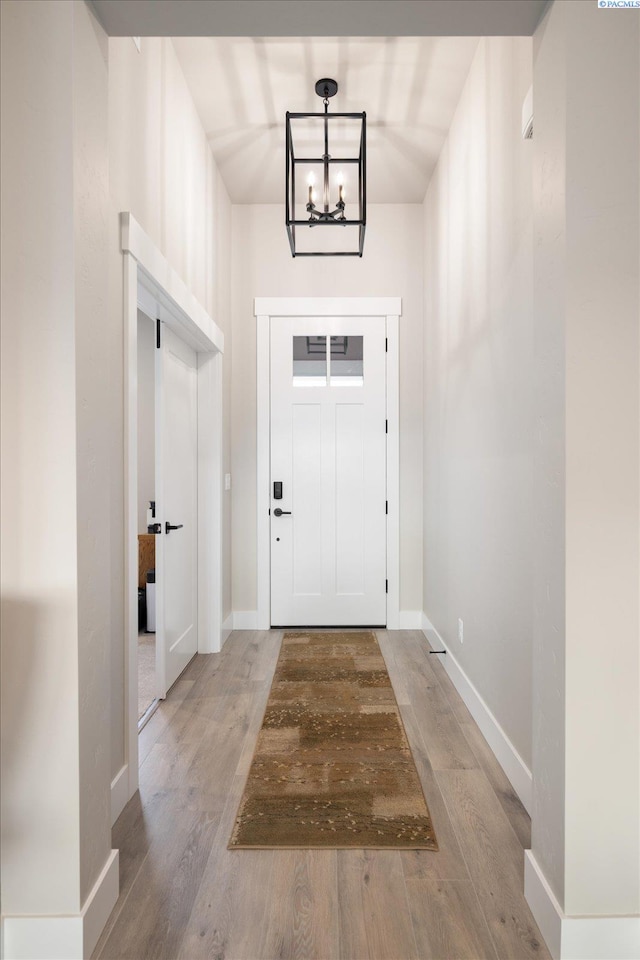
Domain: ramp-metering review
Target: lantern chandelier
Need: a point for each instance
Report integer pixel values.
(326, 230)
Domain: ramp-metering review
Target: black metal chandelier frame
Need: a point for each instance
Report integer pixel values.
(324, 216)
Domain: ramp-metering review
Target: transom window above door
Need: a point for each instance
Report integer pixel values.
(342, 364)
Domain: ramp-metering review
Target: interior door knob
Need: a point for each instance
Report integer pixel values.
(281, 513)
(172, 526)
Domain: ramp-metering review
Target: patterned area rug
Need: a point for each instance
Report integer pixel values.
(332, 767)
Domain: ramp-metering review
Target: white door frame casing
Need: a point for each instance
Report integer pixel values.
(264, 309)
(152, 285)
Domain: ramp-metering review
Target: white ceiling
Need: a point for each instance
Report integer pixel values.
(407, 73)
(310, 18)
(408, 86)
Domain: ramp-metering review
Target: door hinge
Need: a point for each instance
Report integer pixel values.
(386, 506)
(386, 344)
(386, 426)
(158, 333)
(386, 586)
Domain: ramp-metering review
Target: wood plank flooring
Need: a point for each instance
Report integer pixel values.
(184, 896)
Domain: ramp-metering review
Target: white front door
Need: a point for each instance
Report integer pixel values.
(176, 508)
(328, 454)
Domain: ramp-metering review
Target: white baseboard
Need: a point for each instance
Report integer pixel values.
(119, 792)
(226, 629)
(543, 904)
(71, 937)
(101, 902)
(577, 938)
(245, 620)
(410, 620)
(506, 754)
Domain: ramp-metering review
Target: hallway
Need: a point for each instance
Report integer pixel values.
(184, 895)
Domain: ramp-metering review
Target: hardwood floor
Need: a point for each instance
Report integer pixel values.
(184, 896)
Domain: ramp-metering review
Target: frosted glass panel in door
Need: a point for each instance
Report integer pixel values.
(309, 361)
(347, 367)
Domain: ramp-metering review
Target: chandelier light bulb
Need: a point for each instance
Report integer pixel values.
(311, 179)
(341, 186)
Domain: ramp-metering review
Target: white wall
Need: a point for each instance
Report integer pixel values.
(586, 817)
(548, 833)
(161, 170)
(89, 128)
(55, 479)
(146, 417)
(91, 173)
(263, 267)
(478, 391)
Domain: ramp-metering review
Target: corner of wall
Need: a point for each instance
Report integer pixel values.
(577, 938)
(71, 937)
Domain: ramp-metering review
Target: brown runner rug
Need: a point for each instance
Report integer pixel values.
(332, 767)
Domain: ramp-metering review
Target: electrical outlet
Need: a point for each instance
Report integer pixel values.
(460, 631)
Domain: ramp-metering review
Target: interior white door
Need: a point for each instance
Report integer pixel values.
(328, 452)
(176, 508)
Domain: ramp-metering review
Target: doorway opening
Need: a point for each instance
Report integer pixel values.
(328, 471)
(167, 503)
(187, 349)
(328, 461)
